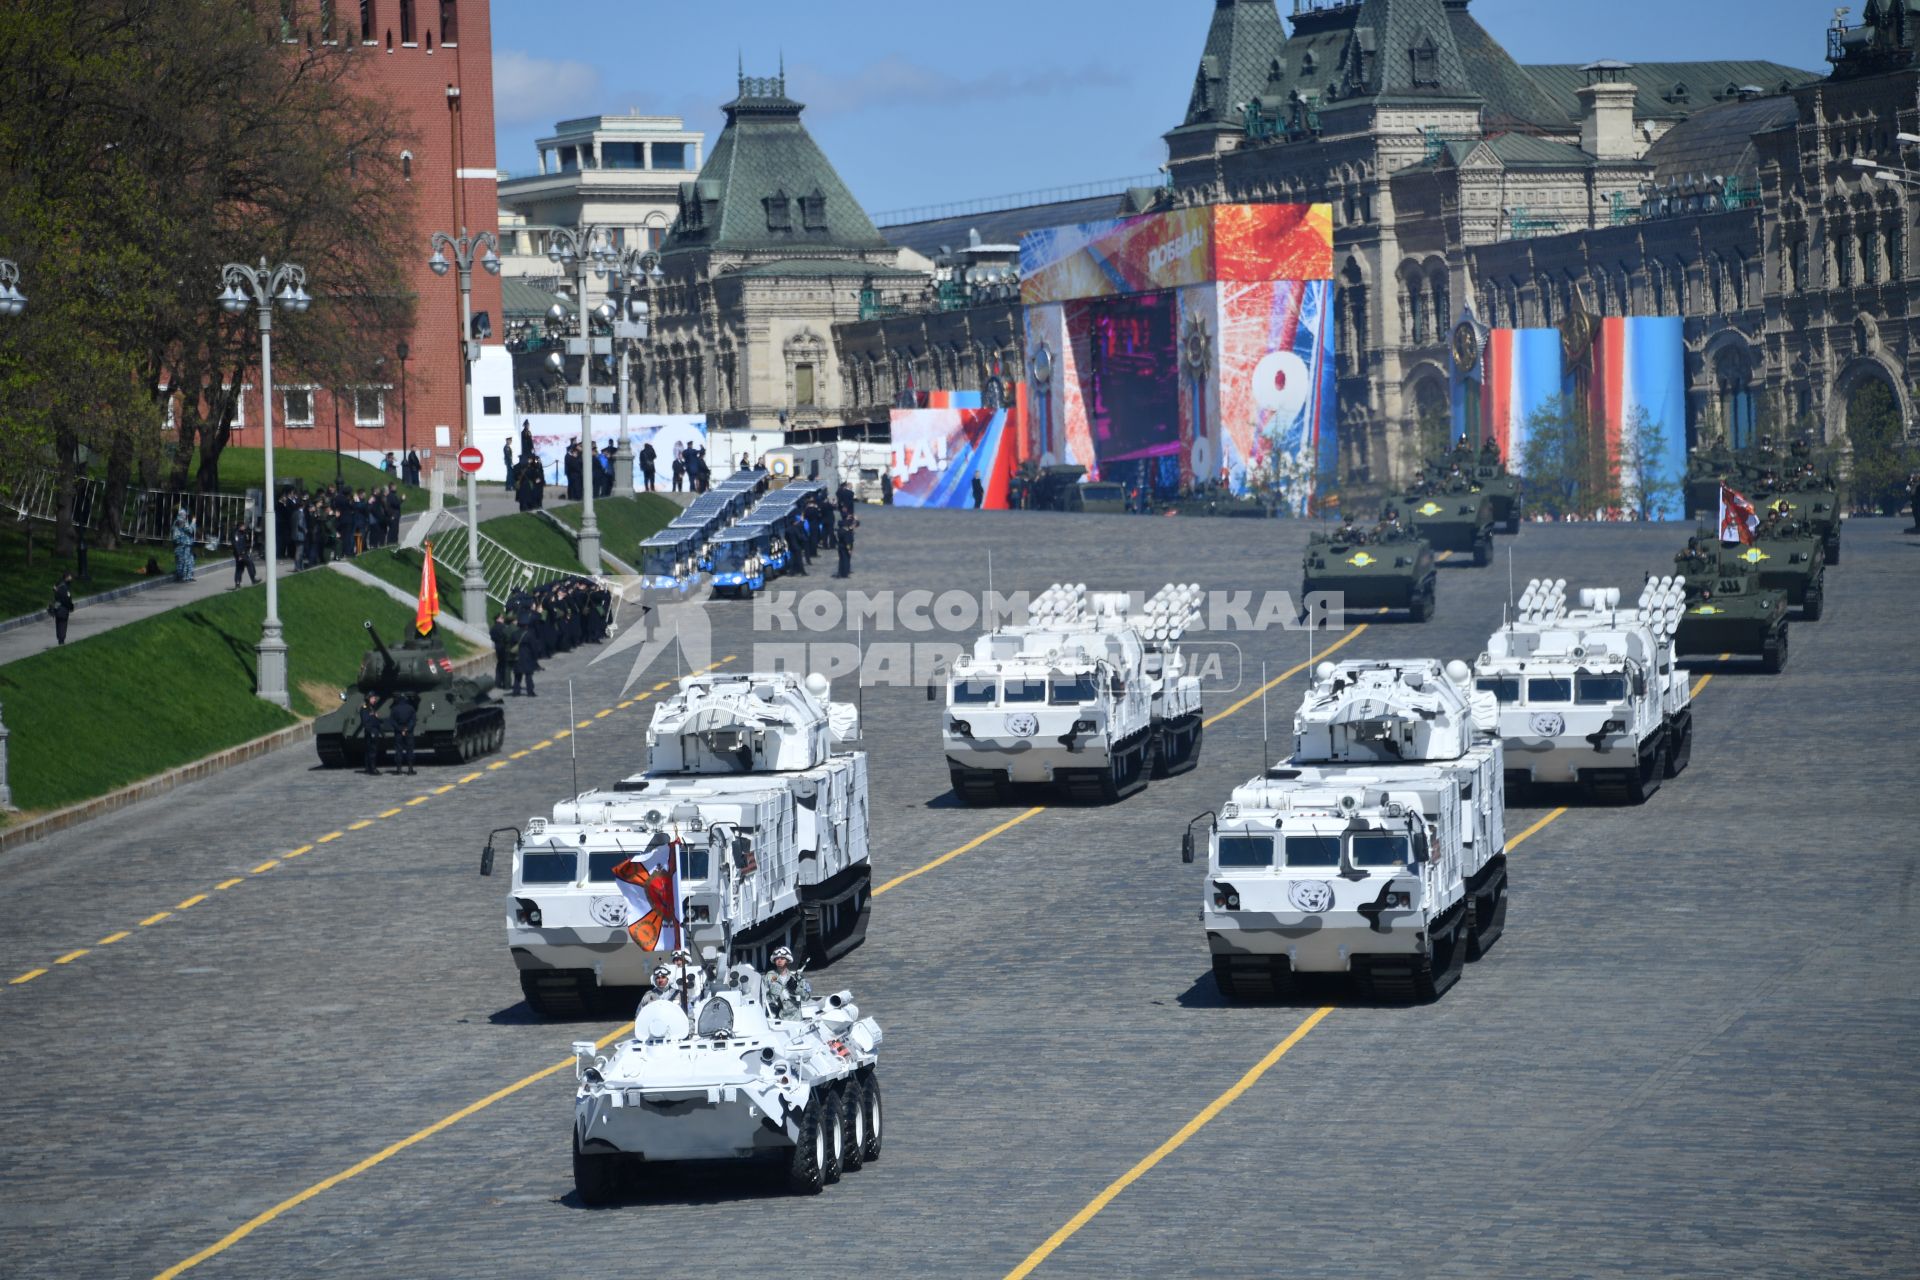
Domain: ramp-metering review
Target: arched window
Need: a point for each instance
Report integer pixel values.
(369, 22)
(406, 166)
(449, 22)
(409, 34)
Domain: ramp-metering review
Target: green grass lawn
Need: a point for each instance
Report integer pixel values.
(27, 588)
(625, 523)
(402, 569)
(533, 539)
(242, 469)
(114, 708)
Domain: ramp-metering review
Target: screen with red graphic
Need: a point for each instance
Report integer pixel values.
(1133, 378)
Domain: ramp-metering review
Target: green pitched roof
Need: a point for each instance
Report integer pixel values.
(1245, 38)
(768, 186)
(1513, 98)
(1659, 85)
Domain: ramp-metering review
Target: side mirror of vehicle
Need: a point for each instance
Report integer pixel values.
(930, 697)
(1186, 847)
(1420, 850)
(486, 859)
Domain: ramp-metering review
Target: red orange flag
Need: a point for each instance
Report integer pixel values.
(429, 606)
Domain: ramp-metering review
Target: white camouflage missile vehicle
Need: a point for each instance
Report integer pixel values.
(1592, 696)
(1089, 692)
(1377, 849)
(722, 1079)
(747, 832)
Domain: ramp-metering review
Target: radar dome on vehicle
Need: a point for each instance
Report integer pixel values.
(818, 685)
(661, 1020)
(1459, 672)
(1324, 672)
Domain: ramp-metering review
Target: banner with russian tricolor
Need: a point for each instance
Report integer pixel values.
(1519, 374)
(1638, 384)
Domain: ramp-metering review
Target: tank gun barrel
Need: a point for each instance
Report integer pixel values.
(385, 653)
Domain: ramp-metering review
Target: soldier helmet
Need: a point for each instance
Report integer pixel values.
(661, 971)
(682, 956)
(783, 953)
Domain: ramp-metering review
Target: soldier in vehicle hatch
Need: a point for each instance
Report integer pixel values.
(786, 988)
(662, 988)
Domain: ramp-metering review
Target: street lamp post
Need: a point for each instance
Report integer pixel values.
(636, 267)
(403, 351)
(465, 249)
(585, 250)
(263, 287)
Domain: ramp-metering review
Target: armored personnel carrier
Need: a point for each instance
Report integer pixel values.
(1087, 693)
(746, 832)
(1454, 516)
(1788, 555)
(722, 1078)
(1377, 849)
(456, 718)
(1591, 696)
(1382, 568)
(1811, 502)
(1727, 610)
(1484, 469)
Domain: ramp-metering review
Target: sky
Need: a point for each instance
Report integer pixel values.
(920, 103)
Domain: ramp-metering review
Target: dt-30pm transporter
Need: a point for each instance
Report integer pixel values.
(747, 832)
(723, 1078)
(1086, 693)
(1378, 849)
(1592, 696)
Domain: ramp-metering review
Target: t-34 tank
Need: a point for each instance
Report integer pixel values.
(1788, 555)
(1727, 610)
(1386, 567)
(457, 718)
(1455, 516)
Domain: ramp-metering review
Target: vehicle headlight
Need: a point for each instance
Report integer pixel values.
(1226, 898)
(960, 727)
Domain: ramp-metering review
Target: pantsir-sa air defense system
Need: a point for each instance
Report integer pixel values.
(727, 1078)
(1591, 696)
(1377, 849)
(747, 832)
(1086, 693)
(456, 719)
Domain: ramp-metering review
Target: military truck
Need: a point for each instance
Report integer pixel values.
(1593, 696)
(726, 1078)
(1377, 849)
(746, 832)
(1386, 567)
(1727, 610)
(1789, 555)
(1455, 516)
(1089, 693)
(456, 718)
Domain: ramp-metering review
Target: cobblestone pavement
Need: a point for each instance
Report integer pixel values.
(1689, 1055)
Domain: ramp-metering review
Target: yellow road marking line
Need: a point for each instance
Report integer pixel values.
(71, 956)
(155, 918)
(307, 848)
(228, 884)
(1286, 675)
(1701, 683)
(598, 715)
(1161, 1152)
(662, 685)
(389, 813)
(264, 867)
(584, 724)
(541, 746)
(386, 1153)
(28, 976)
(518, 755)
(418, 800)
(112, 938)
(331, 835)
(440, 791)
(1536, 826)
(499, 764)
(626, 704)
(477, 773)
(1442, 556)
(356, 826)
(564, 733)
(194, 901)
(968, 847)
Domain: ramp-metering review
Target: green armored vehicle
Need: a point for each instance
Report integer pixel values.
(1790, 556)
(1484, 469)
(1707, 468)
(1386, 567)
(456, 718)
(1727, 610)
(1455, 516)
(1217, 500)
(1809, 498)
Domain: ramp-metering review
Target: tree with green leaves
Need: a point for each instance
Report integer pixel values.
(1654, 490)
(143, 144)
(1877, 435)
(1567, 472)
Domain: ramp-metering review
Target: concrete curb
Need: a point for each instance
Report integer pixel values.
(102, 597)
(178, 776)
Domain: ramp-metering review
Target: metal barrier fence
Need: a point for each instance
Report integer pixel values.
(146, 515)
(505, 572)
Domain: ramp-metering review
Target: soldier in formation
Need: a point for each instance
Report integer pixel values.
(372, 730)
(404, 716)
(786, 987)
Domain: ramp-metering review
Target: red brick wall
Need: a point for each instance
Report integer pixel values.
(415, 80)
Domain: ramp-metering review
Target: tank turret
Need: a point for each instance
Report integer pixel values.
(419, 667)
(747, 724)
(456, 719)
(1391, 712)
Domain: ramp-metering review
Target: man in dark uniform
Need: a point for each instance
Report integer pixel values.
(404, 714)
(501, 633)
(526, 658)
(371, 731)
(243, 555)
(848, 524)
(62, 607)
